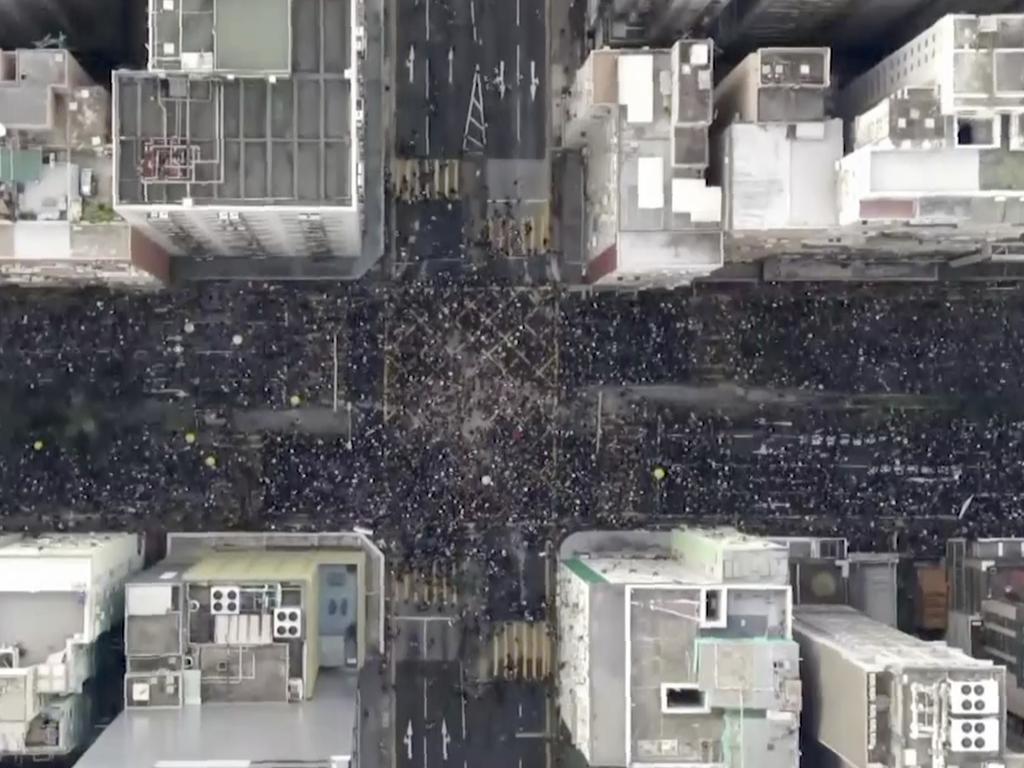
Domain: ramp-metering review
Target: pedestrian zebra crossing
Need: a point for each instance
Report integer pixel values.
(435, 587)
(520, 235)
(415, 179)
(520, 650)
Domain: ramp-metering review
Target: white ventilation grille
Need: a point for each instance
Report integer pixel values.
(287, 623)
(978, 735)
(974, 697)
(225, 600)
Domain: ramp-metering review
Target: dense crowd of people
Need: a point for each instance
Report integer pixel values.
(434, 412)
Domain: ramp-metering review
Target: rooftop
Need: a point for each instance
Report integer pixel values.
(244, 37)
(58, 544)
(245, 141)
(644, 115)
(871, 643)
(317, 730)
(658, 659)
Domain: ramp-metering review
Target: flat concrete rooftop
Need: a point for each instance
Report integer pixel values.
(248, 140)
(309, 731)
(239, 36)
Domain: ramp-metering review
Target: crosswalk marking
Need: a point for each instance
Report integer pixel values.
(433, 179)
(521, 234)
(434, 586)
(520, 650)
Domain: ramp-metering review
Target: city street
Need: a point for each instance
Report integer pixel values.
(470, 76)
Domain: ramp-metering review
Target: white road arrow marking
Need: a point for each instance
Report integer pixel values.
(408, 741)
(501, 78)
(410, 63)
(451, 61)
(445, 739)
(534, 81)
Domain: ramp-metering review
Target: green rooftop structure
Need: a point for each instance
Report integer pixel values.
(20, 166)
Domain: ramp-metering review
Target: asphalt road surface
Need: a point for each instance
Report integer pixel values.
(507, 725)
(441, 723)
(430, 726)
(481, 59)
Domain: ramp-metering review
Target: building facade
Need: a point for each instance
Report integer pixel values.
(59, 595)
(986, 592)
(676, 648)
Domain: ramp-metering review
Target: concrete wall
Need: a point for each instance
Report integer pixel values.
(573, 606)
(607, 675)
(838, 723)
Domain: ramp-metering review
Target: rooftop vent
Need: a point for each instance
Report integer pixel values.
(287, 623)
(225, 600)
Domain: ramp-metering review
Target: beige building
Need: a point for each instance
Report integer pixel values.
(236, 640)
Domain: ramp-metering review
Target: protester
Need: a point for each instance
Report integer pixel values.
(437, 412)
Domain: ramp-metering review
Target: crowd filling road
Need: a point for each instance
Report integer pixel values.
(434, 412)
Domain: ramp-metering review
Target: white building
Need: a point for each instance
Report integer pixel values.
(675, 648)
(243, 138)
(879, 697)
(641, 118)
(938, 129)
(777, 151)
(58, 595)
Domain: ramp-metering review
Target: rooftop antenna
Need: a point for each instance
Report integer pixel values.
(52, 41)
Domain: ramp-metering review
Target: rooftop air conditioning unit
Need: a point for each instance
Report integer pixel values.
(974, 735)
(287, 623)
(10, 657)
(295, 689)
(974, 697)
(225, 600)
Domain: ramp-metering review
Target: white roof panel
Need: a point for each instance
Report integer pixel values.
(650, 182)
(636, 87)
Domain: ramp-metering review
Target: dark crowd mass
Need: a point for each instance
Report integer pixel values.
(436, 413)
